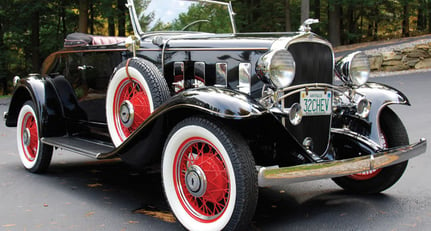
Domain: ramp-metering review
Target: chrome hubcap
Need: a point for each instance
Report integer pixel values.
(196, 181)
(127, 113)
(26, 137)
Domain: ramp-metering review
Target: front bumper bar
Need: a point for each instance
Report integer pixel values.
(270, 176)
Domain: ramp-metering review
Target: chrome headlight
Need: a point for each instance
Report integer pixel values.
(353, 69)
(277, 68)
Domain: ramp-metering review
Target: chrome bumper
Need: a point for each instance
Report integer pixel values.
(269, 176)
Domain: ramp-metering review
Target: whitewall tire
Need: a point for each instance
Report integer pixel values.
(209, 176)
(136, 89)
(34, 155)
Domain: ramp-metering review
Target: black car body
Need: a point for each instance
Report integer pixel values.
(224, 113)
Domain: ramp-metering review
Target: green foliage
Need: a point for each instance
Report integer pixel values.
(360, 20)
(205, 19)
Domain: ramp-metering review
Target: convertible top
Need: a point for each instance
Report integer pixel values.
(81, 39)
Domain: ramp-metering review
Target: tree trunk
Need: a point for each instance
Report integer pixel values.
(316, 9)
(406, 16)
(122, 17)
(422, 21)
(83, 16)
(111, 26)
(429, 16)
(334, 23)
(35, 42)
(305, 10)
(91, 21)
(288, 24)
(351, 24)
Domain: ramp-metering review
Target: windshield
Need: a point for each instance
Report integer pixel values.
(178, 15)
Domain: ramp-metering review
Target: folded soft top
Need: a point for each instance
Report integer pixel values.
(81, 39)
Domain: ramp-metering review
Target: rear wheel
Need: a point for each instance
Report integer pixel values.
(209, 176)
(34, 155)
(393, 134)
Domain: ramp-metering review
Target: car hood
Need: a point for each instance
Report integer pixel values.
(257, 41)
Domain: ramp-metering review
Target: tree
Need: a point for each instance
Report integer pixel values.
(122, 11)
(406, 18)
(334, 25)
(316, 10)
(83, 16)
(305, 10)
(288, 23)
(35, 39)
(422, 17)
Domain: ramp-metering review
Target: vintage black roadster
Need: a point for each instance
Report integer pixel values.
(221, 112)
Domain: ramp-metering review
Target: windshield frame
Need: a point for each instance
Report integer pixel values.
(137, 27)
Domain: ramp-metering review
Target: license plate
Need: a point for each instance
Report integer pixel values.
(314, 103)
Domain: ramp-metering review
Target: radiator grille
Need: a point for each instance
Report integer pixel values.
(314, 64)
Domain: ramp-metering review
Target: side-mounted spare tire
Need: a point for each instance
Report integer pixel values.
(136, 89)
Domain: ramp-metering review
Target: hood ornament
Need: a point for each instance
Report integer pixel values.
(305, 27)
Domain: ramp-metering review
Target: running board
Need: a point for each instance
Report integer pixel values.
(90, 148)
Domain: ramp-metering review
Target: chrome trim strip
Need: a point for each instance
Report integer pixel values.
(179, 81)
(221, 75)
(269, 176)
(309, 86)
(244, 78)
(199, 71)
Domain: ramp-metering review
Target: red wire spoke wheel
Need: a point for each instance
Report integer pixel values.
(202, 182)
(34, 155)
(209, 176)
(136, 89)
(131, 107)
(29, 137)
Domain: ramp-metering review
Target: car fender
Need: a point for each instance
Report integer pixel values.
(48, 107)
(235, 109)
(380, 96)
(218, 102)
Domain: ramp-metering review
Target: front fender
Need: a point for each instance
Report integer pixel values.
(380, 96)
(236, 110)
(218, 102)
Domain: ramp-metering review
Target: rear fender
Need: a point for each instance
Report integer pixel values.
(380, 96)
(48, 107)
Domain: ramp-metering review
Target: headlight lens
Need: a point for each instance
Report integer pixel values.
(277, 68)
(360, 69)
(354, 69)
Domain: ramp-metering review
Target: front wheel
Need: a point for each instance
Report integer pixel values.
(393, 134)
(209, 176)
(34, 155)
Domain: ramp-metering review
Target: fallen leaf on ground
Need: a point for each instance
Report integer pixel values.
(8, 225)
(95, 185)
(90, 214)
(162, 215)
